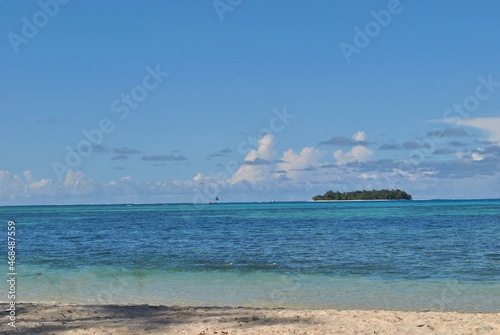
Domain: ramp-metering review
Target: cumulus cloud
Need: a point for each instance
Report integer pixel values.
(254, 173)
(13, 186)
(9, 183)
(28, 175)
(293, 164)
(301, 171)
(360, 136)
(265, 149)
(264, 170)
(78, 188)
(41, 185)
(358, 153)
(75, 182)
(200, 177)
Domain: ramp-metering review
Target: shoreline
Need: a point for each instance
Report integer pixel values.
(36, 318)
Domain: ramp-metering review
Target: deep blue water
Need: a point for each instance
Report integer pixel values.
(399, 255)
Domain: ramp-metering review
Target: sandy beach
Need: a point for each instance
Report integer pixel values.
(146, 319)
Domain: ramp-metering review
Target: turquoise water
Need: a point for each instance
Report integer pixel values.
(417, 255)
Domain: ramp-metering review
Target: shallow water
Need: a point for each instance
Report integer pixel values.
(413, 255)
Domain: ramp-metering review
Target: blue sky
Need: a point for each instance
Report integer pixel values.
(247, 100)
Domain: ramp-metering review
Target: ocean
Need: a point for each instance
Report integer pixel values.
(439, 255)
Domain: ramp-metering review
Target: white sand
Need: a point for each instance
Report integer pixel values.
(144, 319)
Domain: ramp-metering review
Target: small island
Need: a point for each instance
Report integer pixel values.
(383, 194)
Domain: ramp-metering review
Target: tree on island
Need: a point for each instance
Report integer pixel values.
(383, 194)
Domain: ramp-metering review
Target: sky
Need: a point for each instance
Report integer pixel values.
(185, 101)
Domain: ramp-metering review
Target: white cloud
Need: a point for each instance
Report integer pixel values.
(41, 184)
(76, 183)
(294, 163)
(221, 179)
(481, 153)
(13, 186)
(477, 156)
(360, 136)
(412, 176)
(262, 174)
(126, 185)
(251, 173)
(8, 183)
(4, 176)
(358, 153)
(200, 177)
(366, 175)
(28, 175)
(265, 149)
(489, 124)
(254, 173)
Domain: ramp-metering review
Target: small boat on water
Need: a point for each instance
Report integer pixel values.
(216, 201)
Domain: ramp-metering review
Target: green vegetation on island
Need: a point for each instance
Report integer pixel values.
(365, 195)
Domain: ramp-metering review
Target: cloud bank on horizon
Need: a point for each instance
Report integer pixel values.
(263, 171)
